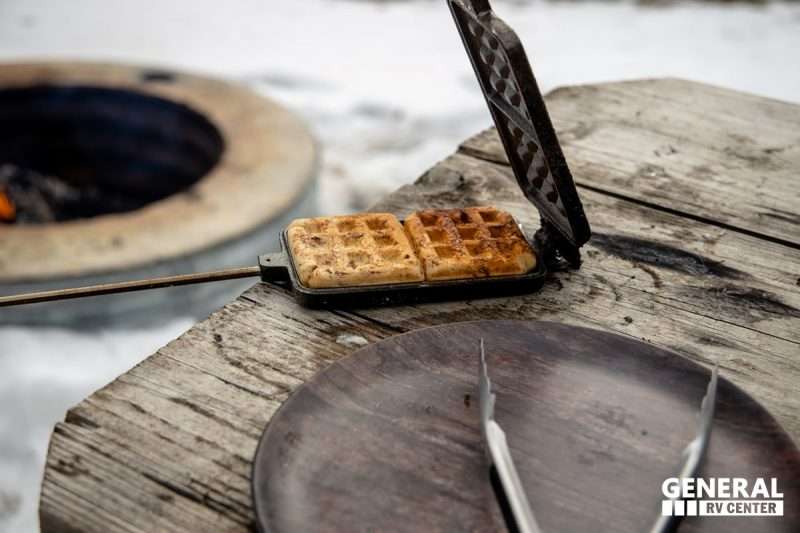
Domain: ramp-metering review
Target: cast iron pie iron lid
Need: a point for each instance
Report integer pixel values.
(389, 438)
(524, 127)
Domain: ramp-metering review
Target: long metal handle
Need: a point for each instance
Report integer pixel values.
(129, 286)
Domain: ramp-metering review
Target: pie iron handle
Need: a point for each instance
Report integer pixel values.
(274, 266)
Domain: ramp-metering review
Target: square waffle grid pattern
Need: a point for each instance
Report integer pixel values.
(351, 250)
(499, 78)
(469, 243)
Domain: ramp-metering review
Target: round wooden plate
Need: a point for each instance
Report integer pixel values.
(389, 439)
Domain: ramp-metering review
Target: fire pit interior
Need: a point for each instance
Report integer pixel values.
(69, 152)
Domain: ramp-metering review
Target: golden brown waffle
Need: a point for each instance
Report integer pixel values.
(351, 250)
(469, 243)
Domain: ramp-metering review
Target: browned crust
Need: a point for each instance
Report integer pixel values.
(469, 243)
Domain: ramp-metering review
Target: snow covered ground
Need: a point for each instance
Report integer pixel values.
(388, 91)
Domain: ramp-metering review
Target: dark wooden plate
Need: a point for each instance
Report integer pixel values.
(389, 438)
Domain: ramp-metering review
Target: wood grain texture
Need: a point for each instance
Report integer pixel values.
(389, 437)
(709, 152)
(167, 446)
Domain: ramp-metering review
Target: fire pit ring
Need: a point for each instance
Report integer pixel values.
(211, 170)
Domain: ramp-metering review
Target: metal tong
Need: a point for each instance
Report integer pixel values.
(505, 480)
(507, 486)
(694, 452)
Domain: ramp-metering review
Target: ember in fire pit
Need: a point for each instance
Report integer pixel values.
(27, 197)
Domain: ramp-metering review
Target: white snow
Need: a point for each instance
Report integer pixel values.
(43, 372)
(388, 91)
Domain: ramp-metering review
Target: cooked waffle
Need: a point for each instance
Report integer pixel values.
(469, 243)
(351, 250)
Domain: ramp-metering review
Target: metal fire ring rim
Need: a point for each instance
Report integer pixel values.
(268, 166)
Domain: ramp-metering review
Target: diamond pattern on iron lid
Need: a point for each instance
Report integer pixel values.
(494, 58)
(535, 167)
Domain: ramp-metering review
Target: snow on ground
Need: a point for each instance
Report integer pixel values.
(42, 373)
(388, 91)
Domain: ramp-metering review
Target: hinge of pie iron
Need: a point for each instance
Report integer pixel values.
(557, 252)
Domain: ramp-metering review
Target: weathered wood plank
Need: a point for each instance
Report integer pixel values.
(167, 446)
(705, 269)
(183, 425)
(712, 153)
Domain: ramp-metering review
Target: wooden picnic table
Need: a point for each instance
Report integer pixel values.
(693, 196)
